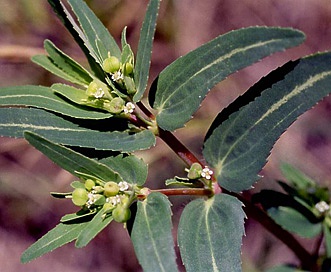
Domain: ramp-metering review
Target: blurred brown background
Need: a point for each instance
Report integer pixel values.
(26, 177)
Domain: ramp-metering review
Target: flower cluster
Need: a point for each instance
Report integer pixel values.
(113, 93)
(114, 198)
(196, 171)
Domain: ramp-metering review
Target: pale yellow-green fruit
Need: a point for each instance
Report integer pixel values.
(121, 214)
(111, 64)
(111, 189)
(128, 69)
(116, 105)
(79, 197)
(89, 184)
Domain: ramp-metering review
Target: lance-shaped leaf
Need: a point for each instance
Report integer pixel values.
(210, 233)
(15, 121)
(43, 97)
(70, 160)
(295, 222)
(151, 234)
(144, 51)
(55, 238)
(92, 228)
(96, 33)
(62, 65)
(238, 148)
(69, 22)
(181, 87)
(131, 168)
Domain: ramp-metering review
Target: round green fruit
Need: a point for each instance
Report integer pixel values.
(79, 196)
(111, 64)
(116, 105)
(121, 214)
(89, 184)
(111, 189)
(128, 69)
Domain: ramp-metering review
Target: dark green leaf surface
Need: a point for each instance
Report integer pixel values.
(131, 168)
(92, 228)
(183, 84)
(210, 233)
(43, 97)
(293, 221)
(144, 51)
(151, 234)
(15, 121)
(62, 65)
(69, 22)
(57, 237)
(70, 160)
(239, 147)
(95, 30)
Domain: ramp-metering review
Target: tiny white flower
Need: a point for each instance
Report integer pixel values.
(91, 200)
(115, 200)
(322, 206)
(99, 93)
(123, 186)
(129, 108)
(206, 173)
(117, 76)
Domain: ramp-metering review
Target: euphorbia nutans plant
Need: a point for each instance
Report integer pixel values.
(109, 95)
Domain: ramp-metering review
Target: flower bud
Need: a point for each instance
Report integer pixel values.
(111, 64)
(121, 214)
(79, 196)
(111, 189)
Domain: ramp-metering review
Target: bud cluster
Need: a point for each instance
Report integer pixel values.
(114, 198)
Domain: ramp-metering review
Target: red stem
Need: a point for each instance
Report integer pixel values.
(184, 191)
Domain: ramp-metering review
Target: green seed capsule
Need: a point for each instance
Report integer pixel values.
(111, 189)
(99, 200)
(79, 196)
(89, 184)
(111, 64)
(121, 214)
(195, 171)
(116, 105)
(128, 69)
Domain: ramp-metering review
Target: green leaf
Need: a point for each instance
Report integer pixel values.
(151, 234)
(15, 121)
(44, 98)
(144, 51)
(131, 168)
(80, 216)
(293, 221)
(57, 237)
(96, 33)
(181, 87)
(92, 228)
(238, 148)
(210, 233)
(69, 22)
(62, 65)
(70, 160)
(297, 178)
